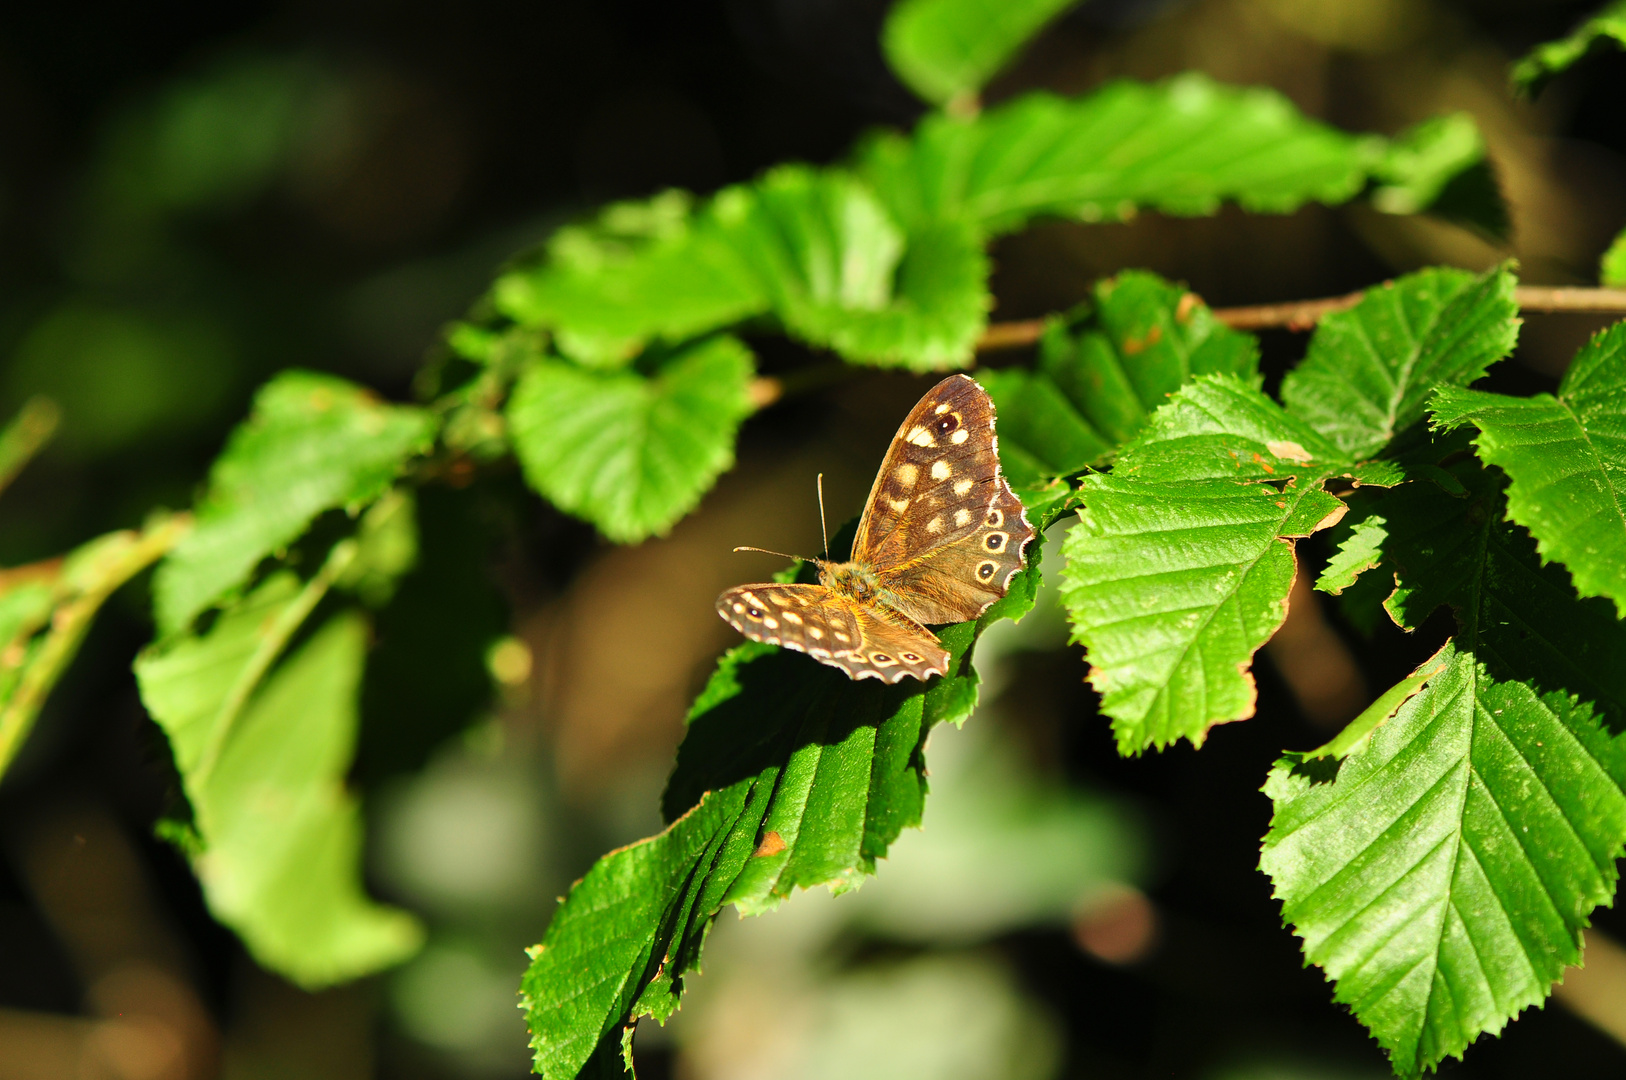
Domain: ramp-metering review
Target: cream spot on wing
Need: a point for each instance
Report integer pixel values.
(962, 518)
(957, 438)
(920, 436)
(792, 618)
(751, 597)
(941, 409)
(778, 600)
(941, 470)
(822, 654)
(739, 608)
(935, 525)
(898, 505)
(843, 638)
(963, 485)
(906, 475)
(815, 633)
(771, 623)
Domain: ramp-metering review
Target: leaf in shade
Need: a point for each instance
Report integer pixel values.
(1606, 27)
(1443, 876)
(946, 50)
(276, 838)
(791, 775)
(1370, 370)
(1439, 167)
(1565, 457)
(313, 443)
(1180, 567)
(630, 452)
(1183, 147)
(1094, 386)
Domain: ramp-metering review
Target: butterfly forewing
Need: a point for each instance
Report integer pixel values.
(960, 579)
(835, 630)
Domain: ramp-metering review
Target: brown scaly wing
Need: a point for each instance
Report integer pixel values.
(863, 642)
(942, 530)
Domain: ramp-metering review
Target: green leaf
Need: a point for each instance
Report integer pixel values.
(1180, 567)
(1370, 370)
(1519, 617)
(1182, 147)
(25, 436)
(642, 271)
(791, 776)
(1612, 267)
(46, 610)
(1565, 456)
(1444, 876)
(1440, 167)
(276, 837)
(1094, 389)
(313, 443)
(1359, 548)
(1606, 27)
(948, 49)
(841, 273)
(632, 453)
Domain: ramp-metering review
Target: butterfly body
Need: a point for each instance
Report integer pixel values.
(940, 539)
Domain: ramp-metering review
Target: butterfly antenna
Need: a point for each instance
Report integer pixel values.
(823, 529)
(781, 554)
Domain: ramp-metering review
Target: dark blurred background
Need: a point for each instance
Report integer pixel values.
(193, 197)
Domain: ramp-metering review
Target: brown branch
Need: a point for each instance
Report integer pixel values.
(1304, 314)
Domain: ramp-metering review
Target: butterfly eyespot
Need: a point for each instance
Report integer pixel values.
(881, 659)
(946, 424)
(911, 657)
(755, 613)
(986, 570)
(996, 518)
(995, 541)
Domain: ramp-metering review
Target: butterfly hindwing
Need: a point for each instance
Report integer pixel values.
(960, 579)
(833, 629)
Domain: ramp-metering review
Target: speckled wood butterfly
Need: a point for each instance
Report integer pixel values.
(940, 539)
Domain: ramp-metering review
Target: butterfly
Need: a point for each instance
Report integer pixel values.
(941, 537)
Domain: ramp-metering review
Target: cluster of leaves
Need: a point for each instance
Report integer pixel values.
(1439, 858)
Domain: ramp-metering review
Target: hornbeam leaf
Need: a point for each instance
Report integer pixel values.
(275, 837)
(791, 775)
(1182, 147)
(1443, 877)
(1369, 370)
(1183, 559)
(631, 452)
(1565, 456)
(1612, 267)
(947, 49)
(313, 443)
(1606, 27)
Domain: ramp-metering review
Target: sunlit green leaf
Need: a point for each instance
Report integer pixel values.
(313, 443)
(631, 452)
(1606, 27)
(947, 49)
(1182, 146)
(275, 837)
(1442, 878)
(1612, 267)
(1370, 370)
(1565, 456)
(1439, 167)
(791, 775)
(1180, 567)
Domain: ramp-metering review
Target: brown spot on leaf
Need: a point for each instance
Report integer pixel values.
(1183, 310)
(1263, 464)
(772, 844)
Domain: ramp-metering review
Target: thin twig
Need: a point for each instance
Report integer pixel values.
(1305, 314)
